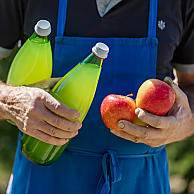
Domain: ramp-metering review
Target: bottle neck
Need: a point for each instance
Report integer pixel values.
(39, 39)
(93, 60)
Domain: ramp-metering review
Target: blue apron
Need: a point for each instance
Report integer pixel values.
(97, 161)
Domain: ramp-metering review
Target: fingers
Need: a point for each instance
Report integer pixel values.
(125, 135)
(139, 131)
(181, 97)
(136, 139)
(55, 132)
(59, 108)
(155, 121)
(59, 122)
(47, 138)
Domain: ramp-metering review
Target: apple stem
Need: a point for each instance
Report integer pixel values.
(130, 95)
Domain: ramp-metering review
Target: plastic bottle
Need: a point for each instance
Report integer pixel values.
(33, 61)
(76, 90)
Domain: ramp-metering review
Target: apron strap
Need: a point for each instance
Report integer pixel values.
(153, 12)
(111, 173)
(62, 12)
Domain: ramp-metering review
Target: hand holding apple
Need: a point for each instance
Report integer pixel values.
(154, 96)
(176, 126)
(115, 108)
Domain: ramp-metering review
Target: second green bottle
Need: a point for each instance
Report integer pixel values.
(76, 90)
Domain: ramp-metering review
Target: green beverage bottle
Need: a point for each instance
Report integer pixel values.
(76, 90)
(33, 61)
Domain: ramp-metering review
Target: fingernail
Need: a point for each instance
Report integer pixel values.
(121, 125)
(168, 80)
(137, 111)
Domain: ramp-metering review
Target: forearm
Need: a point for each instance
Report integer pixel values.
(4, 93)
(186, 83)
(189, 91)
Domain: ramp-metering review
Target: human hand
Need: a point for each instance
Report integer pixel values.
(176, 126)
(38, 114)
(47, 84)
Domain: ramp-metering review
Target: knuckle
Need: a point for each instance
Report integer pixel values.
(52, 131)
(57, 121)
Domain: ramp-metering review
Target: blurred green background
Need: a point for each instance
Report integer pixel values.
(181, 160)
(181, 155)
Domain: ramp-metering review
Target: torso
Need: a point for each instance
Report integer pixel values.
(126, 19)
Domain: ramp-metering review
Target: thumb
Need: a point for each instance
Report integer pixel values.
(180, 96)
(46, 84)
(53, 82)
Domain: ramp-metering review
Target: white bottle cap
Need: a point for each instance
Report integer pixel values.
(100, 50)
(43, 28)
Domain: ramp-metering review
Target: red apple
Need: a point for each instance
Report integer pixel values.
(115, 108)
(155, 96)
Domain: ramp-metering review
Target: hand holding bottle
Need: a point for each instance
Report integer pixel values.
(38, 114)
(76, 90)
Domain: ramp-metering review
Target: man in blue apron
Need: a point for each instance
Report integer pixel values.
(145, 38)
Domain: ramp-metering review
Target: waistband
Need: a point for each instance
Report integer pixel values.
(110, 166)
(78, 151)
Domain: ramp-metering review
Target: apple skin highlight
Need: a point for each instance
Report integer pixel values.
(155, 96)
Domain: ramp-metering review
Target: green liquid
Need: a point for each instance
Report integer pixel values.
(76, 90)
(32, 63)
